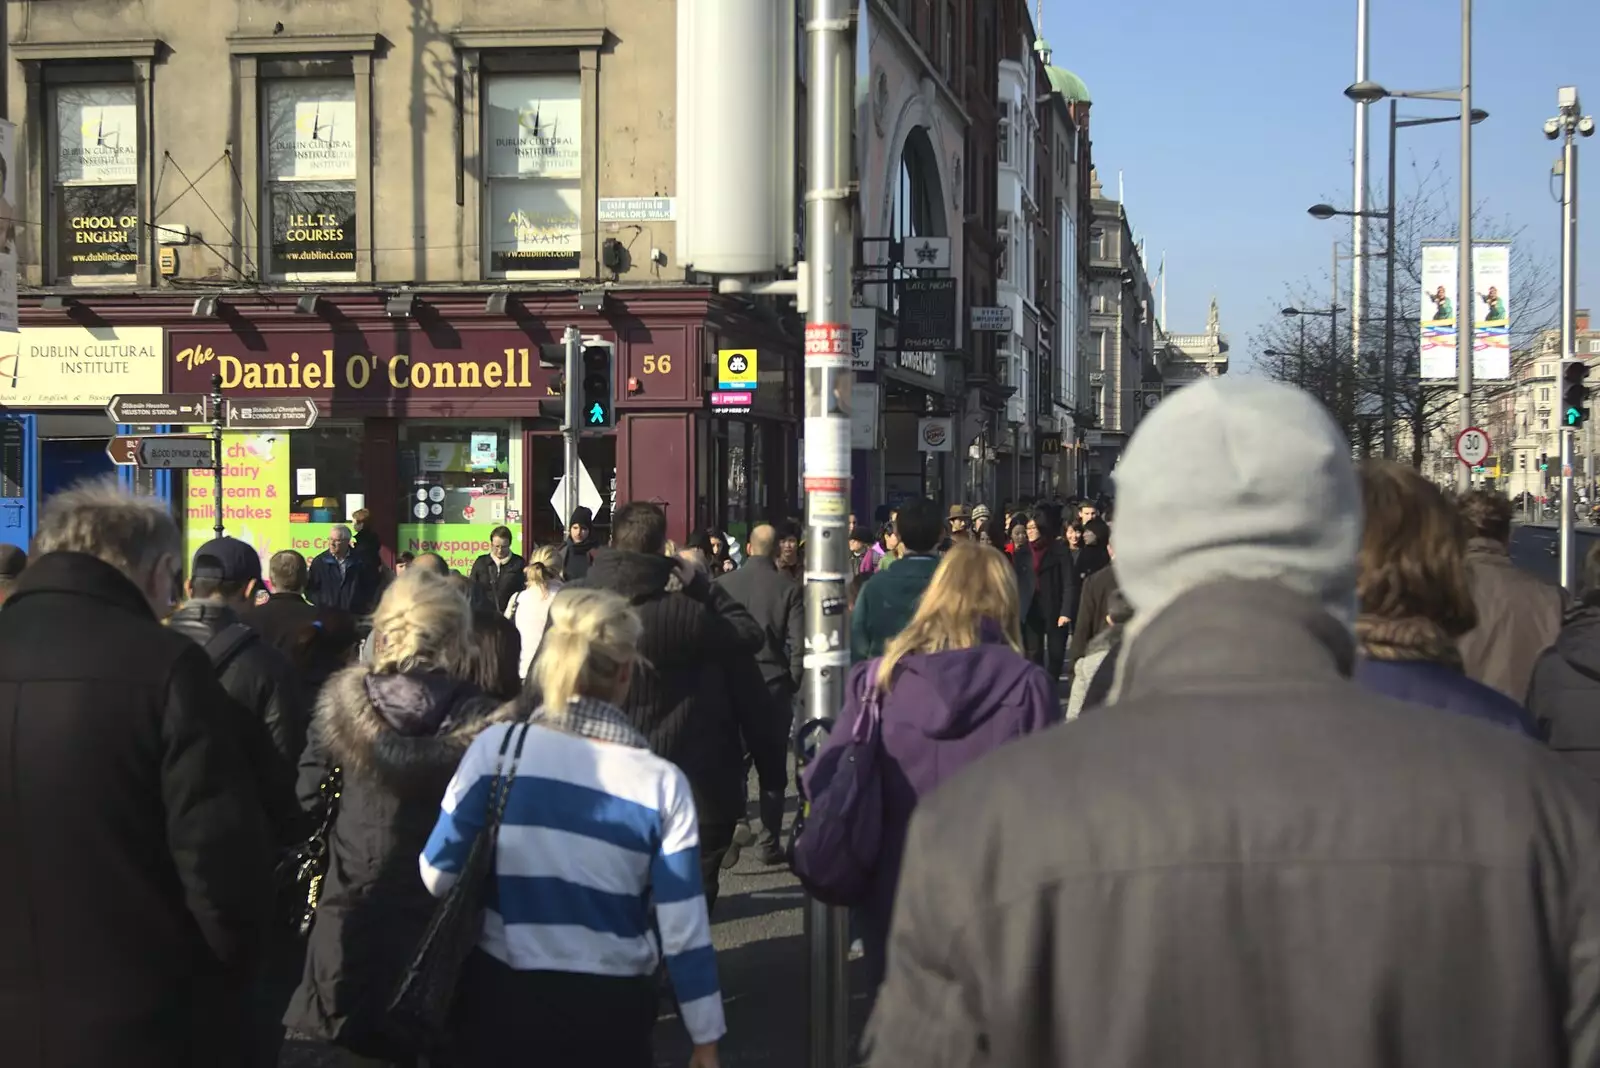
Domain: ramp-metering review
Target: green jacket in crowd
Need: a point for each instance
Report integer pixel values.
(887, 604)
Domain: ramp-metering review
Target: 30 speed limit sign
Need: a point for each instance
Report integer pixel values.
(1472, 446)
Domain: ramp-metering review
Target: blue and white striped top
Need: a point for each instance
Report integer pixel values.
(595, 837)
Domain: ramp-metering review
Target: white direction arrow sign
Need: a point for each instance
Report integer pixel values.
(588, 495)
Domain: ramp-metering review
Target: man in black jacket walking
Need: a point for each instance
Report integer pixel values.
(694, 632)
(778, 607)
(317, 641)
(138, 867)
(343, 579)
(497, 574)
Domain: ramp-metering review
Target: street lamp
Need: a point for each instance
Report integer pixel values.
(1330, 314)
(1362, 93)
(1366, 91)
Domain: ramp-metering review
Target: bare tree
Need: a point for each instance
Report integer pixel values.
(1324, 366)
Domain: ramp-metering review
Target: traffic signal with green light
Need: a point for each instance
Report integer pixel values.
(599, 361)
(1574, 394)
(1544, 461)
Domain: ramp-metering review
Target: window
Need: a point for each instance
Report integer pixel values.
(1097, 238)
(1003, 131)
(455, 487)
(309, 177)
(1544, 370)
(1544, 394)
(95, 184)
(533, 142)
(327, 485)
(1594, 344)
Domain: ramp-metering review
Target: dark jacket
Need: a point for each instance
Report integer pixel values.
(262, 680)
(499, 581)
(1094, 605)
(1443, 687)
(1519, 616)
(679, 694)
(1250, 862)
(779, 608)
(1055, 583)
(355, 590)
(576, 557)
(317, 641)
(138, 870)
(887, 603)
(1564, 697)
(944, 711)
(397, 740)
(1089, 561)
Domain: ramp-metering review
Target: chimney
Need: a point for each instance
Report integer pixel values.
(1582, 317)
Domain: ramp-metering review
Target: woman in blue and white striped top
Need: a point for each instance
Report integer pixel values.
(597, 871)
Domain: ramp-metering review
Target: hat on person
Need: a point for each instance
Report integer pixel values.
(581, 517)
(980, 512)
(226, 560)
(958, 511)
(1282, 500)
(12, 560)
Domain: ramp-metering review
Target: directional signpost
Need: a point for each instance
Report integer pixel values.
(151, 409)
(161, 451)
(272, 413)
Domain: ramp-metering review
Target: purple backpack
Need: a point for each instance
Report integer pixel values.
(836, 854)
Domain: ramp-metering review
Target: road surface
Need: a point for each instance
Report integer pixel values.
(1532, 548)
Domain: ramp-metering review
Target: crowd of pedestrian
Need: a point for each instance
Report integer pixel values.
(1305, 777)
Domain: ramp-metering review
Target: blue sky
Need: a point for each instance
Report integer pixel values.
(1227, 120)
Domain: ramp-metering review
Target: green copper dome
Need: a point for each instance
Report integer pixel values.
(1062, 81)
(1069, 85)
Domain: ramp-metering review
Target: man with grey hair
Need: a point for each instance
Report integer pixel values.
(342, 579)
(138, 868)
(1248, 860)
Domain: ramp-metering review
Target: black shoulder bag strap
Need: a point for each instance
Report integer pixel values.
(227, 644)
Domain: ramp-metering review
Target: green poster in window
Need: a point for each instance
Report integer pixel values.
(255, 496)
(459, 543)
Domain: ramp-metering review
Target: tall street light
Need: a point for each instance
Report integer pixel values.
(1330, 314)
(1328, 211)
(1367, 91)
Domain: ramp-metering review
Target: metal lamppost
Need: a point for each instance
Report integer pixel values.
(1366, 92)
(1330, 314)
(1299, 356)
(1328, 211)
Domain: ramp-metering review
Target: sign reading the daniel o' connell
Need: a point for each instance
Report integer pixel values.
(375, 371)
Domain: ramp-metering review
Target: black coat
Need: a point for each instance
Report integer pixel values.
(263, 681)
(1055, 589)
(1091, 560)
(1094, 604)
(355, 591)
(576, 559)
(679, 697)
(1265, 866)
(137, 867)
(499, 581)
(317, 641)
(374, 907)
(778, 606)
(1564, 697)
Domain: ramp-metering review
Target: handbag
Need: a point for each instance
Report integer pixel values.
(301, 871)
(419, 1011)
(836, 856)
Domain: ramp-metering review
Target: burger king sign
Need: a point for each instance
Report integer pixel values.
(934, 433)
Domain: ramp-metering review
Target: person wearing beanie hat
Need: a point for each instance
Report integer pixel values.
(577, 551)
(1261, 862)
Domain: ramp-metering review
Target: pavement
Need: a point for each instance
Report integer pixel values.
(758, 929)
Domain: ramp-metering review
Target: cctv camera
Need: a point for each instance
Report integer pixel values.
(1552, 129)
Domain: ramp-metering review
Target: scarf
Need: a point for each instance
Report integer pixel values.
(1038, 548)
(1412, 638)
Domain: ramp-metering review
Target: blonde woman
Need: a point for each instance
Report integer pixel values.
(598, 851)
(952, 686)
(396, 730)
(530, 606)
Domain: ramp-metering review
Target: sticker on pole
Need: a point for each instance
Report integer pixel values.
(828, 345)
(1472, 446)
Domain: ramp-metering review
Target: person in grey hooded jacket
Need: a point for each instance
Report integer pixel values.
(1251, 862)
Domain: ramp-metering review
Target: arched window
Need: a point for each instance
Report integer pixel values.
(918, 206)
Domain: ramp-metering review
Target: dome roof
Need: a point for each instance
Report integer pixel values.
(1069, 85)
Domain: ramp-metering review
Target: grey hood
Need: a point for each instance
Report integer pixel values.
(1237, 479)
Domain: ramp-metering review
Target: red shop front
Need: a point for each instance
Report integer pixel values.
(432, 422)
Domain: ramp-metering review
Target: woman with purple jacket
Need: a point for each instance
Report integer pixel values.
(954, 686)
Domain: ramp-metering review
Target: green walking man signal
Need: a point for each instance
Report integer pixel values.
(597, 414)
(598, 369)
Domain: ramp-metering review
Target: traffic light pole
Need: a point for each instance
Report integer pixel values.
(572, 422)
(1569, 123)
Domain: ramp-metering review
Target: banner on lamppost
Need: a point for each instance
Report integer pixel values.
(1489, 302)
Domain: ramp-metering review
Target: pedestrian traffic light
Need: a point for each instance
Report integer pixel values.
(1544, 461)
(1574, 394)
(598, 365)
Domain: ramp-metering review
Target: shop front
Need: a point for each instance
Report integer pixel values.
(917, 428)
(55, 383)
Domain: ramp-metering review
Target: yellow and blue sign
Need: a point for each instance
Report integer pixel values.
(736, 369)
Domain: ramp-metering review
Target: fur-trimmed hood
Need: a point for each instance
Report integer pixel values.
(407, 731)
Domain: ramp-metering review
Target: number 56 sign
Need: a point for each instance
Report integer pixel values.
(1472, 446)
